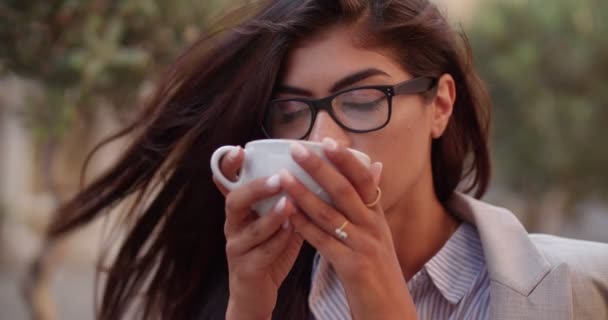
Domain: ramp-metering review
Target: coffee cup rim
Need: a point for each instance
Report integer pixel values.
(304, 142)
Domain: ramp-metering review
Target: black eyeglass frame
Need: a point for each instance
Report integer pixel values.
(416, 85)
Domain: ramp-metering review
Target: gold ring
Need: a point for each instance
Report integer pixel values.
(340, 233)
(378, 196)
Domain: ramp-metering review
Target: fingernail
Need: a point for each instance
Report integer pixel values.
(286, 224)
(273, 182)
(377, 170)
(278, 208)
(234, 153)
(286, 175)
(329, 144)
(298, 150)
(379, 166)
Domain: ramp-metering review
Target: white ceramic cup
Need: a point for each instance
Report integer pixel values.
(264, 158)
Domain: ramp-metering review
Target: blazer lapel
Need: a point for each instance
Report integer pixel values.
(523, 284)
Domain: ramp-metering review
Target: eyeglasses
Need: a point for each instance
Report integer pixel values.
(362, 109)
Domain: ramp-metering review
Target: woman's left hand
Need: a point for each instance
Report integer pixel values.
(366, 261)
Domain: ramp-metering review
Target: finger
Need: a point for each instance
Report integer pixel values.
(231, 163)
(260, 229)
(360, 177)
(341, 191)
(285, 243)
(268, 251)
(220, 187)
(327, 244)
(290, 252)
(320, 213)
(239, 201)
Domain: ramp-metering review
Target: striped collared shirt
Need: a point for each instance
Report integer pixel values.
(454, 284)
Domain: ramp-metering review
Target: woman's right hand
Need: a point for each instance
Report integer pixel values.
(260, 250)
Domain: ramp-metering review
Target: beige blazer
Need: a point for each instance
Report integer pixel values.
(534, 276)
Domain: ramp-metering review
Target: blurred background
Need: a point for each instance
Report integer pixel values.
(75, 71)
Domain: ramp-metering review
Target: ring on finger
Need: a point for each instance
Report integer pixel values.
(340, 233)
(378, 196)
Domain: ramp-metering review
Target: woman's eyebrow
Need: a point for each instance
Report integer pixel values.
(356, 77)
(338, 85)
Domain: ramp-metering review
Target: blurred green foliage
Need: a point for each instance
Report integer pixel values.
(546, 64)
(84, 52)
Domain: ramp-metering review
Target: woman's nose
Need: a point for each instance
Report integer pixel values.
(326, 127)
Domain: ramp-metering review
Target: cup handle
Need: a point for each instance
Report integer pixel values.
(216, 157)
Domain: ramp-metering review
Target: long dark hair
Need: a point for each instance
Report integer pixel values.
(172, 263)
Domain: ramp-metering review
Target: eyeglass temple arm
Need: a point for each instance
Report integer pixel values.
(416, 85)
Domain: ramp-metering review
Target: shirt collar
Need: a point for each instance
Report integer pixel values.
(457, 265)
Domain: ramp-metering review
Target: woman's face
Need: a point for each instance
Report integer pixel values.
(404, 145)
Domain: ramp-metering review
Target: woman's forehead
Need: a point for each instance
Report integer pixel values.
(321, 60)
(334, 51)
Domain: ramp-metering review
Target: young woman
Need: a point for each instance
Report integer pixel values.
(402, 240)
